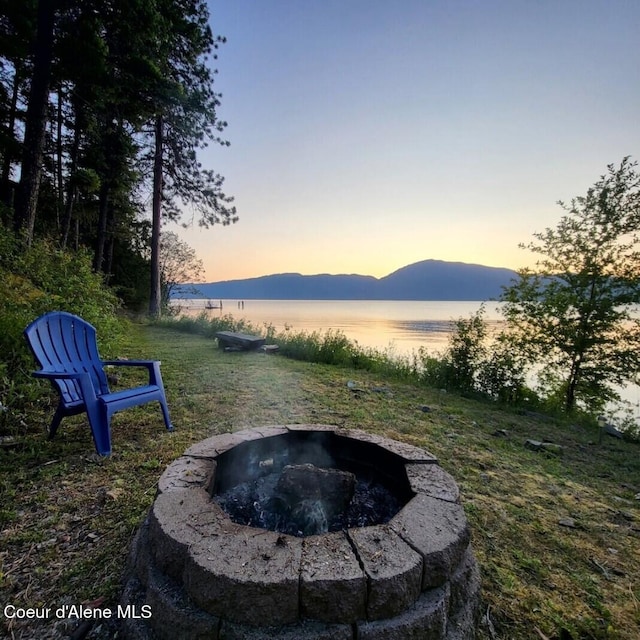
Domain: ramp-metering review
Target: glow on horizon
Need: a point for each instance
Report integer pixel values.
(369, 135)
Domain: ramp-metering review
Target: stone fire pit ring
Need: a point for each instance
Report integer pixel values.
(204, 576)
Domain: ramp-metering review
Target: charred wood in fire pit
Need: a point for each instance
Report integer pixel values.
(314, 496)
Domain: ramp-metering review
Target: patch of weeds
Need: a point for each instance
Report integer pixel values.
(151, 465)
(531, 565)
(508, 582)
(7, 516)
(516, 512)
(24, 536)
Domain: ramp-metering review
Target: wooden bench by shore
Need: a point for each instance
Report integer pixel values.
(239, 341)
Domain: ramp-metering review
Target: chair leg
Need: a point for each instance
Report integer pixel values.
(100, 422)
(156, 378)
(55, 423)
(165, 413)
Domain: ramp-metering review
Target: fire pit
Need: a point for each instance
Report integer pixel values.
(304, 532)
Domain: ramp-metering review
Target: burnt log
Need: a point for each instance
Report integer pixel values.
(313, 496)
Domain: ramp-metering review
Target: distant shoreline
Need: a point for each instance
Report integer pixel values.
(235, 300)
(429, 281)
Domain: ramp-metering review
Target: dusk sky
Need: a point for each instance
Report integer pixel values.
(368, 134)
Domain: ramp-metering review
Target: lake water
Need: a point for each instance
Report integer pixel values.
(398, 326)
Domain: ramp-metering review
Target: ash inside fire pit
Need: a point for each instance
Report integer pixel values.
(305, 500)
(308, 483)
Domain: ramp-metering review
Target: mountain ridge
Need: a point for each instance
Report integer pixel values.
(425, 280)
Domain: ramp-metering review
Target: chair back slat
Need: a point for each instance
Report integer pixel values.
(63, 342)
(46, 344)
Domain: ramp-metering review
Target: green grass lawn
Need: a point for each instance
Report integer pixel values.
(67, 518)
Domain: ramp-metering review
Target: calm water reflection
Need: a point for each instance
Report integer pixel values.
(401, 326)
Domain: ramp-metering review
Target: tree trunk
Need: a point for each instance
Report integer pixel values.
(155, 297)
(6, 190)
(101, 236)
(71, 189)
(107, 262)
(59, 160)
(68, 214)
(76, 234)
(572, 383)
(35, 123)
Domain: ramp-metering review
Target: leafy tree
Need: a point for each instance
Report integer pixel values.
(573, 313)
(178, 264)
(501, 373)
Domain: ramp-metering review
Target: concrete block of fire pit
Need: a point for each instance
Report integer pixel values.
(134, 628)
(465, 596)
(174, 614)
(139, 556)
(427, 618)
(187, 472)
(312, 427)
(333, 587)
(250, 576)
(267, 431)
(305, 630)
(438, 530)
(212, 447)
(393, 568)
(173, 521)
(406, 451)
(432, 480)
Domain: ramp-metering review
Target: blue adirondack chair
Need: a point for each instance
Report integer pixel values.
(65, 346)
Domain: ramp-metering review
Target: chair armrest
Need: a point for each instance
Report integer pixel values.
(130, 363)
(152, 366)
(83, 378)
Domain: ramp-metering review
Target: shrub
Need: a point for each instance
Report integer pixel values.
(501, 374)
(33, 281)
(434, 371)
(457, 369)
(473, 364)
(466, 352)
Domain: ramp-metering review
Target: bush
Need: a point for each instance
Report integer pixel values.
(457, 369)
(501, 374)
(202, 324)
(466, 352)
(331, 347)
(434, 371)
(473, 364)
(33, 281)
